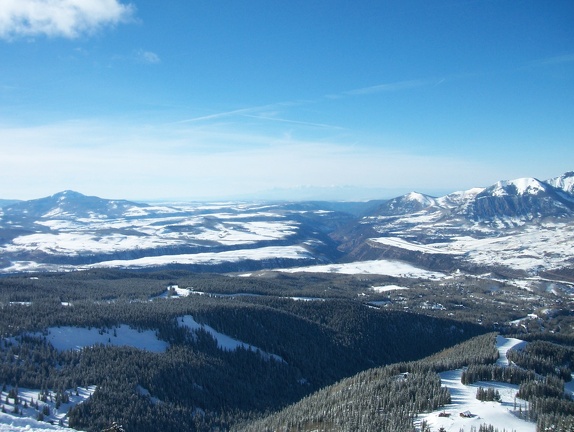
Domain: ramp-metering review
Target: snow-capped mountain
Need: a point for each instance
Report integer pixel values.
(525, 198)
(564, 182)
(409, 203)
(523, 225)
(69, 205)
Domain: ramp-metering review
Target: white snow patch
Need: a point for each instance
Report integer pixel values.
(224, 342)
(379, 267)
(175, 291)
(264, 253)
(501, 415)
(27, 422)
(504, 344)
(386, 288)
(437, 248)
(77, 338)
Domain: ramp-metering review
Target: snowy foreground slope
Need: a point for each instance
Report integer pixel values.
(504, 415)
(9, 423)
(27, 420)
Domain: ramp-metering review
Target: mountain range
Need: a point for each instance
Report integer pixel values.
(517, 227)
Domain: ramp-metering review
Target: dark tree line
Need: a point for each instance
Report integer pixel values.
(545, 358)
(194, 385)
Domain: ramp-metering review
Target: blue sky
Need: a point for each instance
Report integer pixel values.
(216, 99)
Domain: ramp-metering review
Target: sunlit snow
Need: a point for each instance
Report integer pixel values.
(264, 253)
(27, 421)
(387, 288)
(378, 267)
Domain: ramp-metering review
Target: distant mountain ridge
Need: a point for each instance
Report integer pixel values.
(524, 198)
(523, 225)
(69, 204)
(7, 202)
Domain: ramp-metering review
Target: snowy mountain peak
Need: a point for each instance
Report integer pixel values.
(409, 203)
(517, 187)
(459, 198)
(70, 204)
(67, 195)
(423, 199)
(564, 182)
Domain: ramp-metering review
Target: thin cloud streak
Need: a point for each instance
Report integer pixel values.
(217, 115)
(551, 61)
(297, 122)
(388, 87)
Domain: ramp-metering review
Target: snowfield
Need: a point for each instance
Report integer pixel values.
(202, 258)
(532, 249)
(77, 338)
(387, 288)
(27, 421)
(264, 253)
(378, 267)
(73, 238)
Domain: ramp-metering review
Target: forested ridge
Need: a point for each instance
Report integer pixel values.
(194, 385)
(337, 362)
(382, 399)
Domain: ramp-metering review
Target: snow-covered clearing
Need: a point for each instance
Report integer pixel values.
(204, 258)
(264, 253)
(404, 244)
(26, 421)
(77, 338)
(504, 344)
(387, 288)
(175, 291)
(224, 342)
(378, 267)
(504, 415)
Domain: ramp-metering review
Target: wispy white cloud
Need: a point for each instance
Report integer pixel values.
(59, 18)
(147, 57)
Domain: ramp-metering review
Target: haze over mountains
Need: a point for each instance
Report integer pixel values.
(521, 226)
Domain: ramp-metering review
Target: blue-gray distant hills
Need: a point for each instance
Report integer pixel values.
(521, 226)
